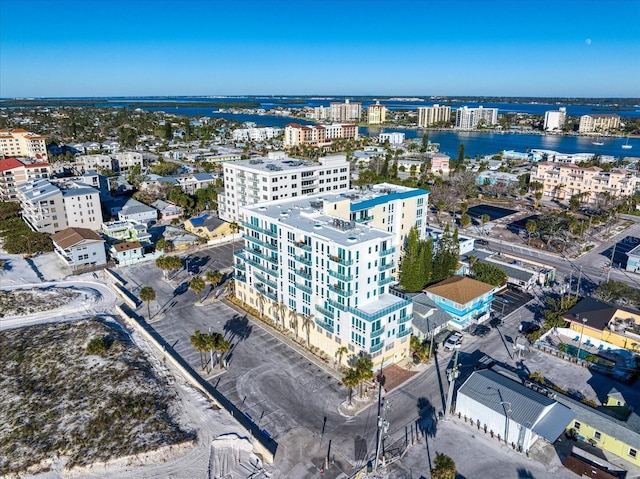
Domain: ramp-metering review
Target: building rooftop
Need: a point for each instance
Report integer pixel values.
(206, 221)
(459, 289)
(126, 246)
(373, 195)
(277, 162)
(72, 236)
(427, 316)
(598, 313)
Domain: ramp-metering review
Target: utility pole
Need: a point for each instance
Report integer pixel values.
(613, 255)
(452, 375)
(383, 428)
(579, 279)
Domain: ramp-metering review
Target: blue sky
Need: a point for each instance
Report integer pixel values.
(572, 48)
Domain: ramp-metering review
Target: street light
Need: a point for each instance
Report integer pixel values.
(584, 321)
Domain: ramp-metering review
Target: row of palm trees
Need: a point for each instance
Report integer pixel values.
(198, 283)
(214, 343)
(281, 311)
(356, 376)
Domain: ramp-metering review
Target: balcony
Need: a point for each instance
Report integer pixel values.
(364, 219)
(240, 266)
(389, 251)
(304, 274)
(303, 245)
(404, 333)
(249, 226)
(326, 325)
(376, 348)
(377, 332)
(266, 281)
(268, 294)
(341, 277)
(388, 280)
(335, 304)
(240, 277)
(255, 264)
(239, 254)
(406, 318)
(384, 267)
(324, 311)
(304, 288)
(261, 243)
(342, 292)
(341, 261)
(261, 255)
(303, 260)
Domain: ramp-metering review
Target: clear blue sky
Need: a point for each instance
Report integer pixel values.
(336, 47)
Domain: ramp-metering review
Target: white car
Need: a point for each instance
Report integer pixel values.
(453, 340)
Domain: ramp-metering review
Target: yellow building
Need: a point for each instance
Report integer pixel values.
(612, 427)
(19, 142)
(208, 227)
(605, 323)
(376, 114)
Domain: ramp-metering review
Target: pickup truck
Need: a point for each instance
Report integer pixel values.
(453, 341)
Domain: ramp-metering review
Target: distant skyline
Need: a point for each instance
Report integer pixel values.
(533, 48)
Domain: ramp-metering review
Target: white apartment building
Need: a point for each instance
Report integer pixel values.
(19, 142)
(469, 118)
(395, 138)
(277, 176)
(345, 112)
(14, 172)
(554, 120)
(598, 123)
(256, 134)
(324, 278)
(120, 162)
(48, 208)
(318, 135)
(321, 113)
(430, 115)
(376, 114)
(562, 181)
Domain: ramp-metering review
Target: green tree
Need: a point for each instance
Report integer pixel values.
(490, 274)
(425, 143)
(351, 379)
(465, 220)
(409, 267)
(168, 264)
(446, 256)
(197, 284)
(341, 351)
(147, 294)
(484, 219)
(364, 368)
(531, 227)
(201, 344)
(98, 346)
(307, 322)
(444, 467)
(461, 153)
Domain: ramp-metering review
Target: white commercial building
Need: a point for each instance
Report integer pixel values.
(324, 278)
(48, 208)
(469, 118)
(431, 115)
(256, 134)
(554, 120)
(395, 138)
(118, 162)
(277, 176)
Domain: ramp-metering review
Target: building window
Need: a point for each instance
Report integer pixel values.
(597, 435)
(576, 426)
(633, 452)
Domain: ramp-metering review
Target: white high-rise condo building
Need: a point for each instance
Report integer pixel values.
(469, 118)
(277, 176)
(554, 120)
(345, 112)
(48, 208)
(598, 123)
(376, 114)
(323, 277)
(431, 115)
(19, 142)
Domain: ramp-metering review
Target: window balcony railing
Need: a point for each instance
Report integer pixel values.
(377, 332)
(239, 254)
(405, 332)
(363, 219)
(341, 261)
(384, 267)
(376, 348)
(389, 251)
(340, 291)
(324, 324)
(387, 280)
(261, 255)
(240, 277)
(303, 245)
(303, 260)
(406, 318)
(261, 243)
(304, 288)
(273, 234)
(304, 274)
(336, 304)
(240, 266)
(255, 264)
(266, 281)
(342, 277)
(324, 311)
(268, 294)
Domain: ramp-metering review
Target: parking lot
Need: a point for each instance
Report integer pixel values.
(509, 301)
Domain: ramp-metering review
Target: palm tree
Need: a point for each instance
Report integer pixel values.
(307, 321)
(465, 220)
(261, 300)
(559, 189)
(350, 379)
(199, 342)
(197, 284)
(148, 294)
(281, 308)
(230, 288)
(484, 219)
(538, 196)
(214, 278)
(222, 346)
(342, 350)
(293, 318)
(473, 259)
(364, 368)
(444, 467)
(233, 226)
(464, 208)
(531, 227)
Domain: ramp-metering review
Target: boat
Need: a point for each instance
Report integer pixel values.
(626, 145)
(598, 142)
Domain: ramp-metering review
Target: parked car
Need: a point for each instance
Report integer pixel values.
(528, 328)
(482, 242)
(495, 322)
(454, 340)
(480, 330)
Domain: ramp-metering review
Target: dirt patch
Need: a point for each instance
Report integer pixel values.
(393, 376)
